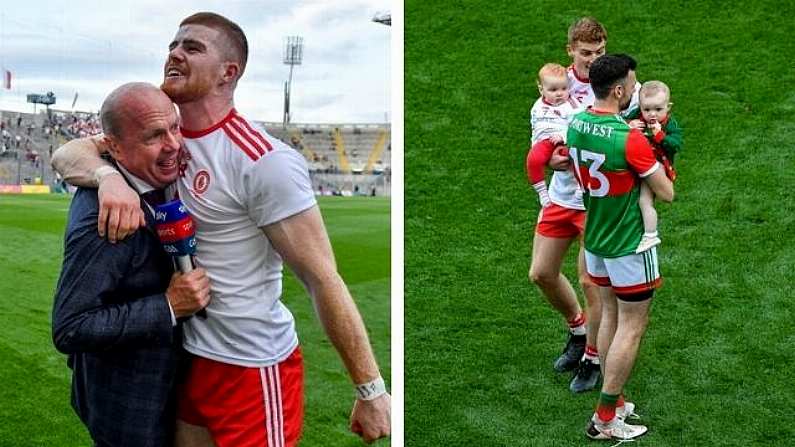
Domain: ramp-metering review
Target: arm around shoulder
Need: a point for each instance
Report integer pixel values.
(78, 160)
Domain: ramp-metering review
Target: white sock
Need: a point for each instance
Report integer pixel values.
(577, 330)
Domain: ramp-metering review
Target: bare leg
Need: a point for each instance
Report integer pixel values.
(647, 210)
(548, 254)
(588, 371)
(593, 309)
(620, 357)
(622, 327)
(188, 435)
(607, 326)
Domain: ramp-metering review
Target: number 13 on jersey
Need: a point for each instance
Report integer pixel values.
(592, 178)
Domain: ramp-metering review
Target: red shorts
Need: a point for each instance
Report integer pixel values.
(243, 406)
(560, 222)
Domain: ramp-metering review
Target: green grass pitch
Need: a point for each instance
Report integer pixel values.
(34, 398)
(715, 367)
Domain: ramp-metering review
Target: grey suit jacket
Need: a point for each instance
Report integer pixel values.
(111, 317)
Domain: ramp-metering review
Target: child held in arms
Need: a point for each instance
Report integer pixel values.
(549, 121)
(655, 121)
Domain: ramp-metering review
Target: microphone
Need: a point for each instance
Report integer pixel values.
(177, 234)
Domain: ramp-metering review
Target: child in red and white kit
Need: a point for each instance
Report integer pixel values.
(549, 120)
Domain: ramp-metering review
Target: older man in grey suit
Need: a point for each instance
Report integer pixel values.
(117, 306)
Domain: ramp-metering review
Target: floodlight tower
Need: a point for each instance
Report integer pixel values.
(293, 55)
(383, 17)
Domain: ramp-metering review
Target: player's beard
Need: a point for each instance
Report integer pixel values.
(623, 103)
(190, 88)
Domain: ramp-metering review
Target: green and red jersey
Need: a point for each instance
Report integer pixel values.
(669, 140)
(610, 158)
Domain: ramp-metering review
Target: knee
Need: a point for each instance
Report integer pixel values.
(589, 287)
(542, 278)
(635, 328)
(592, 292)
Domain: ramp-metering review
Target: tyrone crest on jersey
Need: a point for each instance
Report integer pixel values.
(184, 158)
(201, 181)
(580, 94)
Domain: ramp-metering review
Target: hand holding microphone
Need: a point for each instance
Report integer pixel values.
(189, 291)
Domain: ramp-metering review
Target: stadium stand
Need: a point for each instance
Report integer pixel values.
(26, 145)
(344, 159)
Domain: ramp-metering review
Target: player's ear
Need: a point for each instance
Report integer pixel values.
(540, 89)
(231, 72)
(619, 94)
(114, 148)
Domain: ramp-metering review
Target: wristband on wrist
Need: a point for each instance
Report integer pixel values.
(543, 194)
(104, 171)
(371, 390)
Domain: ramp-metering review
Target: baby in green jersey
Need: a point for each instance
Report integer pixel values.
(665, 135)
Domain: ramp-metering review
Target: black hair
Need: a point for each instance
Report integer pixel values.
(607, 71)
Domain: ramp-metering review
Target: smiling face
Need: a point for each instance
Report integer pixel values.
(583, 54)
(148, 139)
(194, 67)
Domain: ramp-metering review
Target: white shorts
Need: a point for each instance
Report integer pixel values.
(628, 274)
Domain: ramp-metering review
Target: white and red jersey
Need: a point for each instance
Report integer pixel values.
(565, 191)
(237, 178)
(580, 89)
(547, 120)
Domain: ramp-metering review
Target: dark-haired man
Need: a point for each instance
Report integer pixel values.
(253, 204)
(610, 159)
(563, 220)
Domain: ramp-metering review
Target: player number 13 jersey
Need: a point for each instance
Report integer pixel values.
(610, 158)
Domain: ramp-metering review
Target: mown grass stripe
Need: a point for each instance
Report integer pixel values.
(480, 338)
(36, 409)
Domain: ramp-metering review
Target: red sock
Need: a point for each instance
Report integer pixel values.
(577, 324)
(620, 401)
(606, 409)
(591, 353)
